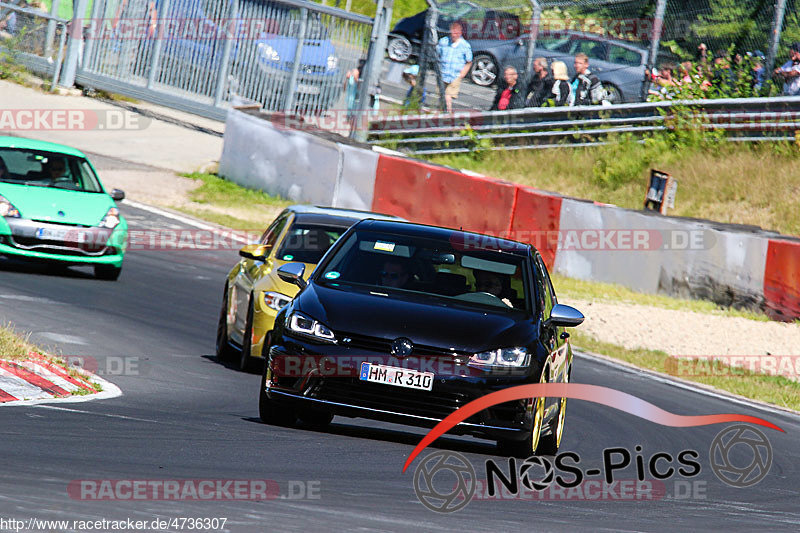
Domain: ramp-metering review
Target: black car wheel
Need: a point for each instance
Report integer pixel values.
(107, 272)
(613, 94)
(270, 411)
(224, 349)
(245, 360)
(399, 48)
(533, 443)
(484, 70)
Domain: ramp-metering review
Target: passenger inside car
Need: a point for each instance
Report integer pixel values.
(394, 274)
(495, 284)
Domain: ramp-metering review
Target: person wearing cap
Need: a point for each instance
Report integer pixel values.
(790, 72)
(411, 74)
(562, 90)
(757, 61)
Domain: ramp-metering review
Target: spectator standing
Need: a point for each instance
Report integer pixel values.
(586, 87)
(790, 72)
(757, 59)
(411, 75)
(455, 60)
(561, 93)
(541, 85)
(511, 93)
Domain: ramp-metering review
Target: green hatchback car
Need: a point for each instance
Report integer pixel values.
(54, 208)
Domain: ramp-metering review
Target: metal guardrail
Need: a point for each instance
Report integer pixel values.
(41, 61)
(745, 119)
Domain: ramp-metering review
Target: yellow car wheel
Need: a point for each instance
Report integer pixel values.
(246, 363)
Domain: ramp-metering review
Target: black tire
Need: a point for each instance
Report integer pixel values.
(484, 71)
(223, 349)
(107, 272)
(613, 94)
(531, 444)
(269, 410)
(399, 48)
(246, 363)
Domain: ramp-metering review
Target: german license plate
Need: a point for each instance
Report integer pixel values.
(307, 89)
(400, 377)
(49, 234)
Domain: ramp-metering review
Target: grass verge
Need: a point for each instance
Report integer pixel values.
(14, 347)
(228, 204)
(776, 390)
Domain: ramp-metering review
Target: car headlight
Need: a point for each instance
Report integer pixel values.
(111, 220)
(268, 52)
(276, 300)
(303, 325)
(333, 62)
(501, 358)
(7, 209)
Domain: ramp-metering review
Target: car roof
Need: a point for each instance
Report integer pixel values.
(475, 241)
(334, 216)
(33, 144)
(592, 36)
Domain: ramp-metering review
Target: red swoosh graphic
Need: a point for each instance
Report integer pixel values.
(578, 391)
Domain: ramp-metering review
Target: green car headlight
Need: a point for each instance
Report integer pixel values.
(7, 209)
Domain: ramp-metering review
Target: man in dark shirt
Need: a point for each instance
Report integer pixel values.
(511, 92)
(541, 85)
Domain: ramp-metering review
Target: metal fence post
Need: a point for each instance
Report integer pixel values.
(155, 60)
(534, 34)
(777, 27)
(658, 26)
(291, 83)
(372, 69)
(95, 23)
(74, 43)
(226, 52)
(51, 30)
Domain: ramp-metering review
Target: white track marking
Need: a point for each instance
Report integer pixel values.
(109, 415)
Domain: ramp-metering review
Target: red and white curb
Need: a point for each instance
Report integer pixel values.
(38, 380)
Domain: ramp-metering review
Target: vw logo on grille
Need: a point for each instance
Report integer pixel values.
(402, 347)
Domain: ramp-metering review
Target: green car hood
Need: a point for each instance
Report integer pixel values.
(48, 204)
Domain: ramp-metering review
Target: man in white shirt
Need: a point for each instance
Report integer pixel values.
(790, 72)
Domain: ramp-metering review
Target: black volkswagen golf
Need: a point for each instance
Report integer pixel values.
(406, 323)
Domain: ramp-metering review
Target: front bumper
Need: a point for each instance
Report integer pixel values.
(65, 243)
(333, 386)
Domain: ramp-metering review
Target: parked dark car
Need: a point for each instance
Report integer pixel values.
(479, 23)
(417, 321)
(619, 64)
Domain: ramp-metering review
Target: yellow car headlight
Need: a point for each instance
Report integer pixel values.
(276, 300)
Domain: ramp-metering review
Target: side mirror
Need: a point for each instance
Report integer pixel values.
(117, 195)
(256, 252)
(293, 273)
(565, 316)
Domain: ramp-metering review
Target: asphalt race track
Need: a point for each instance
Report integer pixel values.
(183, 415)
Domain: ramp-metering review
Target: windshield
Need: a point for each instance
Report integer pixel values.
(395, 263)
(47, 169)
(308, 243)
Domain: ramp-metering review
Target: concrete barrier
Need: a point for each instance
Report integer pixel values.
(651, 253)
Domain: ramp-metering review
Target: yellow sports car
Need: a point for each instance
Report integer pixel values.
(253, 292)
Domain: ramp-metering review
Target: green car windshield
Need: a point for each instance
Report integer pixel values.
(47, 169)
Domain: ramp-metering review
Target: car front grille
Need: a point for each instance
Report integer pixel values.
(380, 345)
(57, 247)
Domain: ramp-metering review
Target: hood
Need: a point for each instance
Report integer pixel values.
(430, 321)
(45, 203)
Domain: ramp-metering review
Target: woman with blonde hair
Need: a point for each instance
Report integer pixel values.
(561, 87)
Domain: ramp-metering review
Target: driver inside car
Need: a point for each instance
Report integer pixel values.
(394, 274)
(491, 283)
